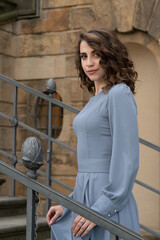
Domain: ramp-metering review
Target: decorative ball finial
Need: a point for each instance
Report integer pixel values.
(51, 85)
(32, 156)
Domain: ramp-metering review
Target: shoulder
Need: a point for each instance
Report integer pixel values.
(121, 94)
(120, 89)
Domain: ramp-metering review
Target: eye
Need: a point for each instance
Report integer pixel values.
(83, 56)
(96, 54)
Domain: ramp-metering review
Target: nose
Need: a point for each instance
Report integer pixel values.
(90, 62)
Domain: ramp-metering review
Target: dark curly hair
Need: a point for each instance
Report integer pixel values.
(113, 59)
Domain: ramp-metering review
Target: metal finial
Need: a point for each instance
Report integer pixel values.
(32, 156)
(51, 85)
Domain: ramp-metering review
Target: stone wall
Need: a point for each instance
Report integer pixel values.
(34, 50)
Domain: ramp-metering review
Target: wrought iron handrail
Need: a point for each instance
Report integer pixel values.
(15, 122)
(115, 229)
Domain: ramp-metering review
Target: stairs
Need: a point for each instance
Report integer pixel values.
(13, 220)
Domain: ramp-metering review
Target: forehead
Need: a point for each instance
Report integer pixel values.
(85, 48)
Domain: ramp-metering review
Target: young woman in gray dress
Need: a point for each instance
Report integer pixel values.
(108, 142)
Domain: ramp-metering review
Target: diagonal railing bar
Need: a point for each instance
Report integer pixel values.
(150, 230)
(147, 186)
(38, 133)
(38, 94)
(71, 204)
(39, 172)
(149, 144)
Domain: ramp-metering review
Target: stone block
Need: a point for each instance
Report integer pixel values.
(70, 181)
(6, 92)
(76, 91)
(8, 27)
(7, 66)
(58, 3)
(62, 169)
(154, 26)
(6, 138)
(40, 67)
(70, 66)
(39, 44)
(52, 20)
(7, 43)
(124, 13)
(86, 1)
(69, 41)
(104, 14)
(5, 189)
(83, 17)
(143, 12)
(6, 108)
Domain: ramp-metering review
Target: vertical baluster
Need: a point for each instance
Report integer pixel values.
(113, 237)
(51, 87)
(14, 123)
(32, 158)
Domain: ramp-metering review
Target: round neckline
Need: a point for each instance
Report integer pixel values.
(97, 94)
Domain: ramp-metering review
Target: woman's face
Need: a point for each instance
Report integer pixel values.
(90, 61)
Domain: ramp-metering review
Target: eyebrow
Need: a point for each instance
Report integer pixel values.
(86, 53)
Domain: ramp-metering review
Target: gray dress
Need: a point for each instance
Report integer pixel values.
(108, 160)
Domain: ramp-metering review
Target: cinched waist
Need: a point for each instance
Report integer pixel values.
(94, 165)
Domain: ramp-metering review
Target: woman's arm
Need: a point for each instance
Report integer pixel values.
(124, 164)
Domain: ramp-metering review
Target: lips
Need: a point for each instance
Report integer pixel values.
(91, 72)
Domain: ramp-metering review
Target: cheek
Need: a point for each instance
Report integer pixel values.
(83, 65)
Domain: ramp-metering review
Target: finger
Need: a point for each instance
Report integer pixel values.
(78, 225)
(82, 228)
(88, 229)
(75, 222)
(49, 215)
(54, 218)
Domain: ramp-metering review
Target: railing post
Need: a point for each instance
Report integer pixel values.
(14, 123)
(32, 158)
(113, 237)
(51, 87)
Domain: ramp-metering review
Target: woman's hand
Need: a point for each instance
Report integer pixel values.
(81, 226)
(54, 213)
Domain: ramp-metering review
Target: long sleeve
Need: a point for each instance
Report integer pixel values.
(122, 113)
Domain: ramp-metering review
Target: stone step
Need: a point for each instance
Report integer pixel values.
(12, 206)
(14, 228)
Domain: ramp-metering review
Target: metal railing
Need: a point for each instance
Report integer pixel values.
(116, 230)
(15, 122)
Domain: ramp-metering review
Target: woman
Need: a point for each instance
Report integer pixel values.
(108, 142)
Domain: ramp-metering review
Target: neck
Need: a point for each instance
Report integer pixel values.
(98, 87)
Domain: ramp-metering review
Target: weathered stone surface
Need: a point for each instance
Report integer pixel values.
(53, 20)
(76, 91)
(104, 14)
(40, 67)
(143, 12)
(86, 1)
(135, 37)
(69, 41)
(83, 17)
(38, 44)
(70, 67)
(7, 66)
(123, 11)
(59, 3)
(8, 27)
(6, 108)
(6, 134)
(6, 92)
(154, 27)
(7, 41)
